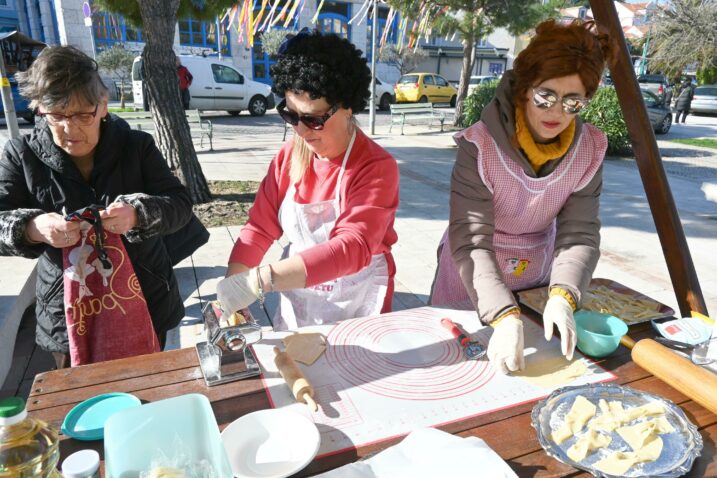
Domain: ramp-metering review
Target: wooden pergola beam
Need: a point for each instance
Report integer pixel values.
(664, 212)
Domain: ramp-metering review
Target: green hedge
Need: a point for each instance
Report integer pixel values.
(707, 76)
(474, 103)
(604, 112)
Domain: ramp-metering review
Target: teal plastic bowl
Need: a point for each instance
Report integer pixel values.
(598, 334)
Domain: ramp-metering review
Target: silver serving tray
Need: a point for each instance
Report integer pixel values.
(679, 452)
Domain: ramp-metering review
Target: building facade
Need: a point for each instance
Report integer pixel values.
(64, 22)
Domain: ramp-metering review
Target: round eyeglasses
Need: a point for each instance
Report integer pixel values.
(544, 99)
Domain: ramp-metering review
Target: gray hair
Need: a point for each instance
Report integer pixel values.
(57, 75)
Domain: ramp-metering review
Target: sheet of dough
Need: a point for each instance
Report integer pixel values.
(638, 435)
(592, 440)
(606, 421)
(553, 372)
(617, 463)
(581, 411)
(614, 415)
(305, 347)
(643, 437)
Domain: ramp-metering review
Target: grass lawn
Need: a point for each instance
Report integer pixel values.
(704, 142)
(230, 203)
(114, 109)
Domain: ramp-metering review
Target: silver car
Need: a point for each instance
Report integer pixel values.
(705, 100)
(475, 81)
(659, 114)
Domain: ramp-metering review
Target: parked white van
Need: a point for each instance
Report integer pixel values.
(217, 85)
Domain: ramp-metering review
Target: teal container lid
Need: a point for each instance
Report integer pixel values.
(9, 407)
(86, 421)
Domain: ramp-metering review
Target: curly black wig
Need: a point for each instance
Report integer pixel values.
(323, 65)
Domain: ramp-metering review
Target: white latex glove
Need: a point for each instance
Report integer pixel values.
(559, 313)
(238, 292)
(505, 348)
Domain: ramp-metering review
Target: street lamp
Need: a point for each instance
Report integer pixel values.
(440, 54)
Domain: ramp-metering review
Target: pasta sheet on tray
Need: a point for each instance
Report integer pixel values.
(605, 295)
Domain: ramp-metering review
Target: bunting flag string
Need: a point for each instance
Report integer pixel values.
(282, 13)
(318, 10)
(290, 16)
(257, 22)
(229, 15)
(398, 30)
(387, 28)
(271, 15)
(298, 15)
(360, 13)
(365, 14)
(240, 22)
(250, 25)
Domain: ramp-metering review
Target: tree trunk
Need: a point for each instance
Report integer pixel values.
(174, 140)
(468, 57)
(122, 93)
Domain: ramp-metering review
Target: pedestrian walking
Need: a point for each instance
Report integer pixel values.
(185, 81)
(684, 101)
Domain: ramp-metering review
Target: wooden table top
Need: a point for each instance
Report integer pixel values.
(168, 374)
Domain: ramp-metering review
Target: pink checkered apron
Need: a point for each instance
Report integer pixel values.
(525, 211)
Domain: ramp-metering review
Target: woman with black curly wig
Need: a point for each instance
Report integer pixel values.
(331, 190)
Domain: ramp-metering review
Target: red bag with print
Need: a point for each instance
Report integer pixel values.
(106, 312)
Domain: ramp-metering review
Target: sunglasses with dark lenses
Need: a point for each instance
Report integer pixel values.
(311, 121)
(544, 99)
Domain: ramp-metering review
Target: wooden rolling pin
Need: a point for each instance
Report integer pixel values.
(678, 372)
(299, 385)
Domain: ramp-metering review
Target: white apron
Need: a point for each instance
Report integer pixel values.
(356, 295)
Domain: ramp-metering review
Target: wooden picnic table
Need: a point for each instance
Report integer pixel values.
(168, 374)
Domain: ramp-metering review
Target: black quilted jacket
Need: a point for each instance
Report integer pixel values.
(38, 177)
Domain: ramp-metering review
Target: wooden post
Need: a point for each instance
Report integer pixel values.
(669, 229)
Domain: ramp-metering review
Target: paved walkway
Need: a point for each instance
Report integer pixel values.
(631, 252)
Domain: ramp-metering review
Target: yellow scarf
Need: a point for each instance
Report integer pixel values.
(538, 153)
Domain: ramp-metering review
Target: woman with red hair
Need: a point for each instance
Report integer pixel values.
(525, 193)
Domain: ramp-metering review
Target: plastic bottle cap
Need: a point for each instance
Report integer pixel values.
(12, 411)
(9, 407)
(81, 464)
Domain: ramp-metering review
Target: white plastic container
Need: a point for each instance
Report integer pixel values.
(82, 464)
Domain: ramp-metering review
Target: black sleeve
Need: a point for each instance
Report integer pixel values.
(15, 206)
(165, 205)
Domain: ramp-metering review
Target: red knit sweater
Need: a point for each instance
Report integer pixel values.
(369, 199)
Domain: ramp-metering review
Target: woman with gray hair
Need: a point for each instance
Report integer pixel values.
(91, 199)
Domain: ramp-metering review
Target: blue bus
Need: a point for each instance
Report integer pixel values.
(19, 51)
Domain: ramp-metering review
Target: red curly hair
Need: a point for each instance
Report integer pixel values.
(559, 50)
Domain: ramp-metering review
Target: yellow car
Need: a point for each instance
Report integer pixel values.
(424, 88)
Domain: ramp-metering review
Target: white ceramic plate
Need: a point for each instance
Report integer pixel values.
(272, 443)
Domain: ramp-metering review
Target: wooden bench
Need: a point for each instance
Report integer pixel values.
(198, 127)
(410, 113)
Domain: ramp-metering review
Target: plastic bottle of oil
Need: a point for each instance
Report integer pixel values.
(28, 447)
